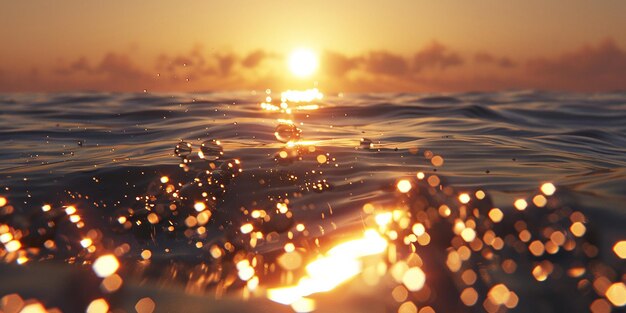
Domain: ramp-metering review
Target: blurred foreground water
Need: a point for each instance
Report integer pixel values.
(397, 202)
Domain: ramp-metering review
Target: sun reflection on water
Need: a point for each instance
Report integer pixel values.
(339, 264)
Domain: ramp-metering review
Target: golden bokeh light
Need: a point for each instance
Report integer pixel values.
(469, 296)
(404, 186)
(548, 189)
(146, 254)
(106, 265)
(34, 307)
(400, 293)
(199, 206)
(414, 279)
(98, 306)
(468, 234)
(520, 204)
(578, 229)
(540, 201)
(246, 228)
(499, 294)
(464, 198)
(536, 248)
(600, 306)
(620, 249)
(145, 305)
(407, 307)
(616, 293)
(245, 270)
(496, 215)
(111, 283)
(437, 160)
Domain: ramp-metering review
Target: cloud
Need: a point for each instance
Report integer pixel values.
(385, 63)
(79, 65)
(112, 65)
(337, 64)
(435, 67)
(600, 67)
(255, 58)
(190, 65)
(436, 55)
(226, 62)
(487, 58)
(196, 63)
(120, 66)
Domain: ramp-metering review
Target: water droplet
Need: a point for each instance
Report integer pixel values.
(183, 149)
(211, 150)
(287, 132)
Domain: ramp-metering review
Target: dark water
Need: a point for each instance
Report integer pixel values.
(100, 152)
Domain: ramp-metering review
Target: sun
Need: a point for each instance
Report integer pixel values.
(303, 62)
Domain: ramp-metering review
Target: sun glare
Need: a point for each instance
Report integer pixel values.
(303, 62)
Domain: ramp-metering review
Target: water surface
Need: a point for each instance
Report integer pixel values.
(103, 153)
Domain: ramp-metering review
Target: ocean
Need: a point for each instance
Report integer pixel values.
(451, 196)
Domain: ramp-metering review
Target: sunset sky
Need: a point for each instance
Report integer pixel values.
(366, 45)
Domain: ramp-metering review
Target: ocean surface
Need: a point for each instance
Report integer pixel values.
(317, 173)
